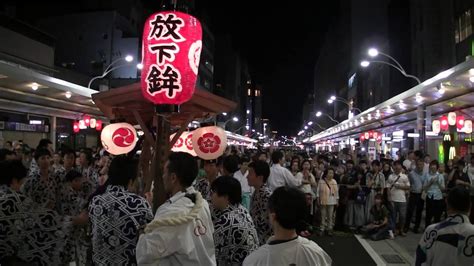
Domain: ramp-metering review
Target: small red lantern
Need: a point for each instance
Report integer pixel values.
(460, 122)
(209, 143)
(75, 127)
(444, 123)
(362, 138)
(170, 56)
(375, 134)
(87, 120)
(98, 125)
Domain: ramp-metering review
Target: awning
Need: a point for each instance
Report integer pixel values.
(120, 103)
(450, 90)
(50, 99)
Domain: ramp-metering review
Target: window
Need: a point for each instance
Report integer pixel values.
(463, 27)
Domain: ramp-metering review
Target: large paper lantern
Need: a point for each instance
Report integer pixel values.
(468, 126)
(452, 118)
(119, 138)
(75, 127)
(436, 126)
(209, 142)
(184, 143)
(170, 53)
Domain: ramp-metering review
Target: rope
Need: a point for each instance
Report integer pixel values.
(177, 220)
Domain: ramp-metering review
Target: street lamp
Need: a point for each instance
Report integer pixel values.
(342, 100)
(128, 59)
(235, 119)
(372, 52)
(319, 113)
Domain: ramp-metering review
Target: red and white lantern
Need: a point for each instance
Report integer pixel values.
(170, 57)
(452, 118)
(75, 127)
(436, 126)
(209, 143)
(468, 126)
(444, 123)
(87, 120)
(184, 143)
(460, 122)
(119, 138)
(98, 125)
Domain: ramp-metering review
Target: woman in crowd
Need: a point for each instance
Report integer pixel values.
(327, 198)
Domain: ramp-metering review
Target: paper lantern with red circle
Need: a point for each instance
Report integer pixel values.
(209, 142)
(75, 127)
(98, 125)
(468, 126)
(87, 120)
(452, 118)
(119, 138)
(366, 135)
(362, 138)
(444, 123)
(170, 53)
(184, 143)
(460, 122)
(375, 134)
(436, 126)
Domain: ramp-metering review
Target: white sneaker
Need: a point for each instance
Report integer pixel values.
(391, 236)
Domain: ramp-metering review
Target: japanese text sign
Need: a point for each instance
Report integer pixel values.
(170, 57)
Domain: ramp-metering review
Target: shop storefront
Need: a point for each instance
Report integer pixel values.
(404, 122)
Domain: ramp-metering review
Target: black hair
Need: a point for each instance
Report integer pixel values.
(88, 153)
(419, 154)
(306, 161)
(122, 169)
(231, 163)
(350, 162)
(244, 159)
(325, 174)
(378, 196)
(9, 142)
(459, 199)
(68, 152)
(289, 206)
(277, 156)
(4, 153)
(261, 168)
(71, 175)
(10, 170)
(376, 162)
(461, 163)
(435, 162)
(41, 152)
(334, 162)
(43, 143)
(184, 166)
(397, 162)
(362, 161)
(228, 186)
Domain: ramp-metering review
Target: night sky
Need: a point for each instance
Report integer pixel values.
(281, 43)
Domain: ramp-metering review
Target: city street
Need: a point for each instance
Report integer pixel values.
(201, 132)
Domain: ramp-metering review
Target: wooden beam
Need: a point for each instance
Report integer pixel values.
(161, 156)
(148, 135)
(181, 129)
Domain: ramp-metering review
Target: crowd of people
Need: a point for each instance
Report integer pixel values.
(247, 207)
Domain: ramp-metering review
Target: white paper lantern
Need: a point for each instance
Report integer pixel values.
(119, 138)
(209, 143)
(436, 126)
(468, 126)
(184, 143)
(452, 118)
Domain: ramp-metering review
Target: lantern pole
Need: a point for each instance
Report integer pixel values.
(162, 150)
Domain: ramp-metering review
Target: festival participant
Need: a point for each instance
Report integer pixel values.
(116, 215)
(241, 175)
(287, 209)
(257, 178)
(450, 242)
(203, 185)
(235, 236)
(182, 231)
(279, 175)
(397, 184)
